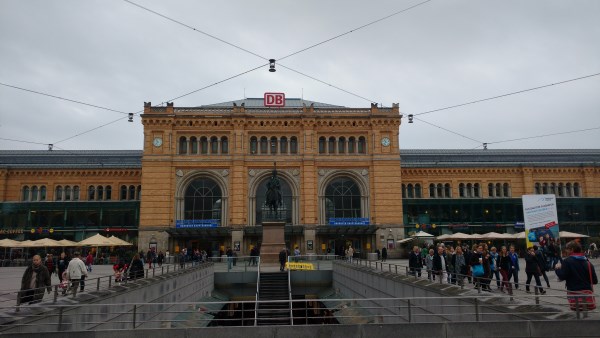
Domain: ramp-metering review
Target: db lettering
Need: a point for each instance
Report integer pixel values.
(274, 100)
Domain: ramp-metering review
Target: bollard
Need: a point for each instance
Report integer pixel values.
(389, 267)
(396, 268)
(577, 310)
(55, 293)
(98, 284)
(109, 281)
(168, 268)
(147, 271)
(162, 270)
(153, 271)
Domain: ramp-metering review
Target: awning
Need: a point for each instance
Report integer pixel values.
(406, 240)
(200, 232)
(346, 230)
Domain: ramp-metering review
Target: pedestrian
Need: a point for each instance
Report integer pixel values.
(514, 267)
(77, 272)
(579, 276)
(282, 259)
(150, 258)
(504, 267)
(460, 266)
(229, 254)
(160, 258)
(136, 268)
(541, 259)
(349, 253)
(494, 258)
(62, 264)
(35, 278)
(50, 264)
(384, 254)
(89, 261)
(413, 261)
(532, 269)
(297, 254)
(439, 263)
(378, 253)
(477, 267)
(487, 270)
(429, 265)
(182, 259)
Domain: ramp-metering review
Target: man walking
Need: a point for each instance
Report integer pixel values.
(77, 272)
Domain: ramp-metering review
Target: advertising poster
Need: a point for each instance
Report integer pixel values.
(541, 219)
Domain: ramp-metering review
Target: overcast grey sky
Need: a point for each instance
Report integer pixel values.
(445, 52)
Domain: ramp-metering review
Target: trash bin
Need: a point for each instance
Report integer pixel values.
(372, 256)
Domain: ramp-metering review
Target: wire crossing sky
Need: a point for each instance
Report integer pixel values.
(438, 55)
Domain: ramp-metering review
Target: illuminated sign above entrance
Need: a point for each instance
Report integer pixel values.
(274, 100)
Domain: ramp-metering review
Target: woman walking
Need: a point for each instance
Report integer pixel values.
(532, 269)
(504, 265)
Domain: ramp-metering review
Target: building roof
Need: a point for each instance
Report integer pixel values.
(257, 102)
(72, 159)
(411, 158)
(420, 158)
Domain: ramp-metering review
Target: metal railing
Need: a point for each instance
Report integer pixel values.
(257, 295)
(58, 317)
(102, 283)
(461, 280)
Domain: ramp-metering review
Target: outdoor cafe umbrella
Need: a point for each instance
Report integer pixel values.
(520, 235)
(568, 234)
(444, 237)
(491, 235)
(96, 240)
(422, 234)
(459, 236)
(118, 242)
(66, 242)
(47, 242)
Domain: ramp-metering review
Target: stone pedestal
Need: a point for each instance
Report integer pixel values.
(273, 241)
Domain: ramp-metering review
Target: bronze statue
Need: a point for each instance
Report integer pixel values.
(273, 196)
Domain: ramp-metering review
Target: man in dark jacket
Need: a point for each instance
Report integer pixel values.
(414, 262)
(541, 259)
(439, 262)
(576, 270)
(35, 279)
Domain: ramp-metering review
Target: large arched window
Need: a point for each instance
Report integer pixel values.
(224, 145)
(214, 145)
(351, 145)
(203, 200)
(43, 193)
(331, 145)
(576, 190)
(538, 188)
(264, 145)
(203, 145)
(123, 194)
(25, 196)
(342, 199)
(342, 145)
(293, 145)
(418, 193)
(193, 145)
(283, 145)
(273, 145)
(253, 145)
(138, 193)
(100, 193)
(76, 193)
(68, 193)
(286, 208)
(91, 193)
(34, 193)
(58, 193)
(322, 142)
(362, 145)
(461, 190)
(131, 194)
(108, 192)
(182, 145)
(410, 193)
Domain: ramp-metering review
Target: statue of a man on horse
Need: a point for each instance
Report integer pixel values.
(273, 197)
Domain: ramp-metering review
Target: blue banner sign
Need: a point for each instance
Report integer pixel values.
(197, 223)
(520, 225)
(348, 221)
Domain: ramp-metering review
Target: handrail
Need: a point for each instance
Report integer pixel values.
(377, 310)
(289, 278)
(430, 275)
(101, 283)
(257, 295)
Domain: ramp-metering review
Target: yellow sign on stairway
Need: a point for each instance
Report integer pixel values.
(299, 266)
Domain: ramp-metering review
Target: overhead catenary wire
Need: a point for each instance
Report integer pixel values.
(545, 135)
(62, 98)
(450, 131)
(22, 141)
(507, 94)
(352, 30)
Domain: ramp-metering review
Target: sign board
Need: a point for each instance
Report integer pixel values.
(541, 219)
(197, 223)
(274, 100)
(348, 221)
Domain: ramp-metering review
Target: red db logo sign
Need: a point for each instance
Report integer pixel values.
(274, 100)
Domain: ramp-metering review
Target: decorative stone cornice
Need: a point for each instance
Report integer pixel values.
(75, 173)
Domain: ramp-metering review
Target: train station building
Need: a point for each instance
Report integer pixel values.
(200, 182)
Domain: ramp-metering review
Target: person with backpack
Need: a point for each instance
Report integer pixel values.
(541, 258)
(580, 276)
